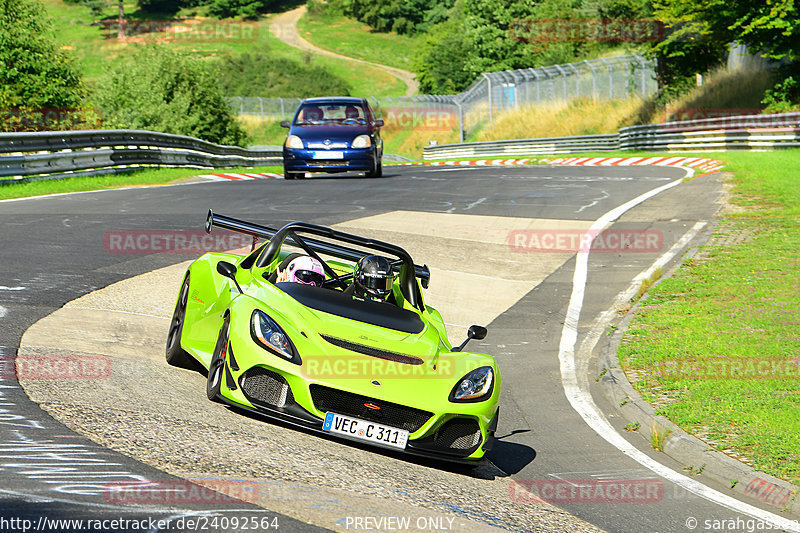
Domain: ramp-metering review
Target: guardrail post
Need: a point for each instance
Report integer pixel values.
(610, 78)
(594, 80)
(644, 75)
(564, 79)
(489, 92)
(460, 122)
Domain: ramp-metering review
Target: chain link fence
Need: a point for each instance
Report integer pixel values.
(492, 93)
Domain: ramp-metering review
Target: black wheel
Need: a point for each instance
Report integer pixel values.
(216, 370)
(177, 356)
(292, 175)
(377, 168)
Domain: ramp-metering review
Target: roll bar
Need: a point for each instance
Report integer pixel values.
(286, 233)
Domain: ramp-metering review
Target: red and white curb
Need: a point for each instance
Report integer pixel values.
(704, 164)
(707, 165)
(242, 177)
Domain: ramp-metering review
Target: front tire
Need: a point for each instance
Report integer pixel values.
(176, 355)
(377, 168)
(216, 370)
(292, 175)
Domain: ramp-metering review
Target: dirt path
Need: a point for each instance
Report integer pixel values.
(284, 27)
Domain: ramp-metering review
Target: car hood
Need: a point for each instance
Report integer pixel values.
(336, 133)
(336, 323)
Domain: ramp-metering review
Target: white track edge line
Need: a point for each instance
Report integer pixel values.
(584, 405)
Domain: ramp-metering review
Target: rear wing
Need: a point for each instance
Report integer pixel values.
(334, 249)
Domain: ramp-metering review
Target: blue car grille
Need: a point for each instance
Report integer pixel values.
(327, 163)
(331, 146)
(346, 403)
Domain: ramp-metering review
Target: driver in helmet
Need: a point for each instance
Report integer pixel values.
(372, 279)
(302, 269)
(351, 112)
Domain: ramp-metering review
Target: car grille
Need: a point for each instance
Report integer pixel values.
(327, 163)
(265, 387)
(330, 146)
(458, 434)
(391, 414)
(374, 352)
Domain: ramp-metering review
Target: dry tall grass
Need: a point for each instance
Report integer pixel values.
(723, 93)
(578, 117)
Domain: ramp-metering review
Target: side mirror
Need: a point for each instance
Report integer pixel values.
(474, 332)
(284, 123)
(229, 271)
(477, 332)
(378, 122)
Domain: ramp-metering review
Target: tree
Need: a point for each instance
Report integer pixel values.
(442, 67)
(248, 9)
(164, 90)
(164, 6)
(34, 73)
(700, 31)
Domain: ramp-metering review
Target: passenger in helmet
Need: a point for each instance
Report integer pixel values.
(351, 112)
(302, 269)
(372, 279)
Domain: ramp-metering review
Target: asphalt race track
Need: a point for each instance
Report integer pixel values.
(475, 227)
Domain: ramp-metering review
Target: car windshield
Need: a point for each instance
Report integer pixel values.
(321, 114)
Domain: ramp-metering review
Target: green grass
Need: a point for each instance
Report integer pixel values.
(733, 304)
(363, 80)
(352, 38)
(87, 40)
(144, 177)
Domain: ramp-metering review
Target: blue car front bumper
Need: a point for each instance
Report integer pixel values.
(351, 160)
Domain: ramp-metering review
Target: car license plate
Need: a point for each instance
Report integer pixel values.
(327, 155)
(364, 430)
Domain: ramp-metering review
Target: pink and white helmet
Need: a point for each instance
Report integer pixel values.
(306, 270)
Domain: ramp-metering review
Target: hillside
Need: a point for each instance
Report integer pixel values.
(93, 41)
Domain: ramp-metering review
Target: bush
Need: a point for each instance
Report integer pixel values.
(34, 73)
(164, 90)
(262, 74)
(248, 9)
(783, 97)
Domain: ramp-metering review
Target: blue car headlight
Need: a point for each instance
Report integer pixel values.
(362, 141)
(476, 386)
(270, 336)
(293, 141)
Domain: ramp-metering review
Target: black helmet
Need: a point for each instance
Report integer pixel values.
(373, 277)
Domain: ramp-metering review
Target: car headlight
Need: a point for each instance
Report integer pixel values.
(293, 141)
(475, 386)
(270, 336)
(362, 141)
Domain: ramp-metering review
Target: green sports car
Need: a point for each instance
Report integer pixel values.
(314, 355)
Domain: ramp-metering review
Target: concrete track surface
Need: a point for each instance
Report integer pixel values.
(73, 294)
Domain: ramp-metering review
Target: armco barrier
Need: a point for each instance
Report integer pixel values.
(555, 145)
(744, 132)
(50, 155)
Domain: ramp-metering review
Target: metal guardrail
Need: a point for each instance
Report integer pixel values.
(51, 155)
(742, 132)
(554, 145)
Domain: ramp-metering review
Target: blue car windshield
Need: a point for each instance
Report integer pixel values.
(320, 114)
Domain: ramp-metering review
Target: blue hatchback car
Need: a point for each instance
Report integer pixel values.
(333, 134)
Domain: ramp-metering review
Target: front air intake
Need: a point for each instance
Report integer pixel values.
(266, 388)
